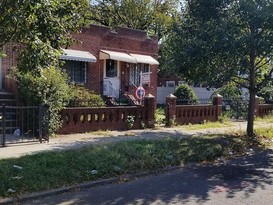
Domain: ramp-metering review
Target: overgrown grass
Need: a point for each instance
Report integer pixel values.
(207, 125)
(265, 136)
(265, 119)
(266, 132)
(49, 170)
(160, 117)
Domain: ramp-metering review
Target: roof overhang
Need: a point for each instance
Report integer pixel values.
(119, 56)
(76, 55)
(144, 59)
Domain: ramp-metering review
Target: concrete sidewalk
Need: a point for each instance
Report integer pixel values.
(73, 141)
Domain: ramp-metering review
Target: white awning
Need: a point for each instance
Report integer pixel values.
(144, 59)
(119, 56)
(76, 55)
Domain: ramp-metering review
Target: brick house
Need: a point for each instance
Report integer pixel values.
(107, 62)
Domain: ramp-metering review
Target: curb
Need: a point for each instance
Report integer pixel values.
(82, 186)
(43, 194)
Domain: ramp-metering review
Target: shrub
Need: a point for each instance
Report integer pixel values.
(82, 97)
(48, 86)
(267, 93)
(185, 94)
(229, 91)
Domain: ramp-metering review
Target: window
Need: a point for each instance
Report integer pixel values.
(111, 68)
(76, 71)
(135, 70)
(170, 84)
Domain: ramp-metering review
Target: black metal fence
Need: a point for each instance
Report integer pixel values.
(193, 102)
(235, 108)
(21, 124)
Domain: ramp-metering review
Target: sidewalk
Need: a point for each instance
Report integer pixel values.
(73, 141)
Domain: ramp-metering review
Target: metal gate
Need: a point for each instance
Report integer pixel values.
(22, 124)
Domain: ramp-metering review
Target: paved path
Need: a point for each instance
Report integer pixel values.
(79, 140)
(247, 180)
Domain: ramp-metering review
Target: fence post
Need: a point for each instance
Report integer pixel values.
(170, 110)
(257, 102)
(4, 124)
(40, 123)
(217, 101)
(149, 104)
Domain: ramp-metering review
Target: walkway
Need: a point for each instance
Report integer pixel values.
(74, 141)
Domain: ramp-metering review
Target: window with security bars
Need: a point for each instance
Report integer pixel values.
(76, 71)
(135, 70)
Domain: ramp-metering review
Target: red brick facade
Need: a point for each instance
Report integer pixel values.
(95, 38)
(8, 62)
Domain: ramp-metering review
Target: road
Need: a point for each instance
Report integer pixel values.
(247, 180)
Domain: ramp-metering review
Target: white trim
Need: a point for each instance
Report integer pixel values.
(144, 59)
(104, 69)
(119, 56)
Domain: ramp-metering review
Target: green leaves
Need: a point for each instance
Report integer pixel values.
(225, 40)
(217, 40)
(42, 26)
(156, 17)
(48, 86)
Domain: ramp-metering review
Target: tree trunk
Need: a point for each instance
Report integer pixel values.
(252, 94)
(251, 114)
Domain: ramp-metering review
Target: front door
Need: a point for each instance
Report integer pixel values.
(111, 82)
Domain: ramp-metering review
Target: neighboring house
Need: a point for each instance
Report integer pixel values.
(106, 62)
(166, 85)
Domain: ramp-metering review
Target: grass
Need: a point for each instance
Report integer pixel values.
(265, 119)
(102, 133)
(160, 115)
(49, 170)
(265, 132)
(207, 125)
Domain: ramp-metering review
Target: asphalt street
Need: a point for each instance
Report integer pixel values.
(247, 180)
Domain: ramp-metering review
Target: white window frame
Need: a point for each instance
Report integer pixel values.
(118, 69)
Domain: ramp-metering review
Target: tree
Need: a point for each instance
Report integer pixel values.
(41, 23)
(42, 28)
(156, 17)
(218, 41)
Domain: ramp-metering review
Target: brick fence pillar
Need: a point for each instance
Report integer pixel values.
(257, 102)
(170, 110)
(217, 101)
(149, 104)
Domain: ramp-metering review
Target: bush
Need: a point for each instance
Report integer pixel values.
(267, 93)
(48, 86)
(185, 94)
(229, 91)
(82, 97)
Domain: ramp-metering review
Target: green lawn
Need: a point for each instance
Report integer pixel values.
(57, 169)
(49, 170)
